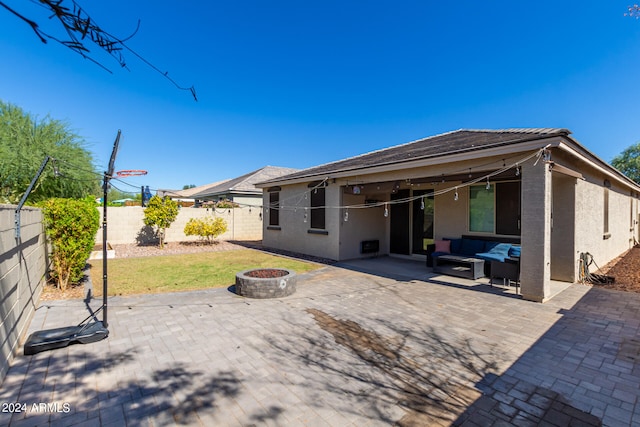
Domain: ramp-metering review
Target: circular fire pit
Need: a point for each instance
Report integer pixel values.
(266, 283)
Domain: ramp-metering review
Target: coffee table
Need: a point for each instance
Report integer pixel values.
(459, 266)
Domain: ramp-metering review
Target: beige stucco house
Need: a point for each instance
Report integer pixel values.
(538, 187)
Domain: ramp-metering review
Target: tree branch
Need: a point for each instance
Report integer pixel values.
(79, 27)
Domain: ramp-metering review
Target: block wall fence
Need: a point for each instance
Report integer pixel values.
(126, 224)
(23, 273)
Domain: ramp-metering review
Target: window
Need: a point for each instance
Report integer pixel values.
(274, 208)
(481, 209)
(496, 209)
(317, 206)
(631, 218)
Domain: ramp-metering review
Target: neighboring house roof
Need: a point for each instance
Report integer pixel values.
(452, 143)
(189, 192)
(244, 184)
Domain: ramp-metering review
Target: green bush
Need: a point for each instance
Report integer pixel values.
(71, 226)
(207, 229)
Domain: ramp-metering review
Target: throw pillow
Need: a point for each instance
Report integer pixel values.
(443, 246)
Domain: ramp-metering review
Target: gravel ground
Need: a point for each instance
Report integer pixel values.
(133, 250)
(626, 271)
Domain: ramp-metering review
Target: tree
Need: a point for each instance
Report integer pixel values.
(207, 229)
(160, 214)
(633, 11)
(25, 142)
(71, 226)
(628, 162)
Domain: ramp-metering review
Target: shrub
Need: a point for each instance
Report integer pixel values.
(160, 213)
(207, 229)
(71, 226)
(226, 204)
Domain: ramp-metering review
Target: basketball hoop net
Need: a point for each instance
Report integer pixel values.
(131, 172)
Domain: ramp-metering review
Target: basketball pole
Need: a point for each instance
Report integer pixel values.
(107, 176)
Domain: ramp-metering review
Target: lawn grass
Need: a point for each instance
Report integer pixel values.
(187, 272)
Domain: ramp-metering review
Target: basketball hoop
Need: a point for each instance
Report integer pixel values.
(131, 172)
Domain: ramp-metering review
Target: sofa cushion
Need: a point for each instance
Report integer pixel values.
(443, 246)
(437, 254)
(471, 247)
(456, 245)
(498, 253)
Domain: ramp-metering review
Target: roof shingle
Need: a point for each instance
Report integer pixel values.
(459, 141)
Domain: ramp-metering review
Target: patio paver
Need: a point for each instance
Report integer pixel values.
(347, 349)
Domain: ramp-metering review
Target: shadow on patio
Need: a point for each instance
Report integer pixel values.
(584, 369)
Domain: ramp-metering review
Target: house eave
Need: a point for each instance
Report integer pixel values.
(472, 154)
(576, 150)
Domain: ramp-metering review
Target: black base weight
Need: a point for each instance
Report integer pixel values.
(50, 339)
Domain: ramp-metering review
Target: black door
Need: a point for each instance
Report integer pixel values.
(400, 238)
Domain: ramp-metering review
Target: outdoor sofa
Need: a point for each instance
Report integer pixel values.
(501, 255)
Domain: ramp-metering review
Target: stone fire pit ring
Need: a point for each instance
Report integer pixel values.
(266, 283)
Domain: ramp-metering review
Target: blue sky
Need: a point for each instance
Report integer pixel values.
(297, 84)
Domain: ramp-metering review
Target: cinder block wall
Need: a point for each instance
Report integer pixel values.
(23, 268)
(126, 224)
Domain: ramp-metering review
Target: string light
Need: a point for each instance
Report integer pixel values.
(346, 215)
(422, 203)
(305, 215)
(542, 153)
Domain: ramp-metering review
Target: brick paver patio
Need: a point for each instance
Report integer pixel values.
(347, 349)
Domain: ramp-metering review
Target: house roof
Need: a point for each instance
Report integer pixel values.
(245, 184)
(455, 142)
(188, 192)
